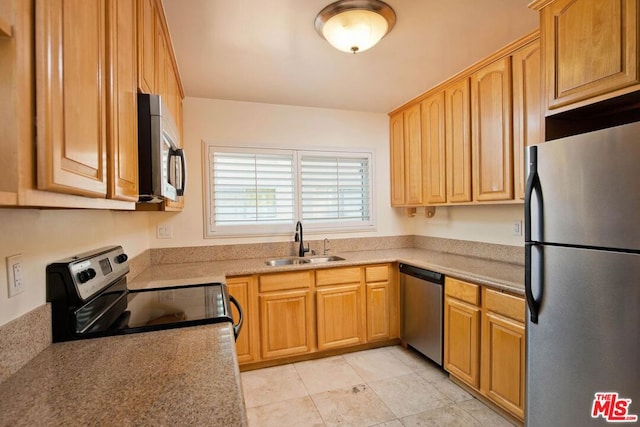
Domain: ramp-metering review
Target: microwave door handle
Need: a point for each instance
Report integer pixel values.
(183, 168)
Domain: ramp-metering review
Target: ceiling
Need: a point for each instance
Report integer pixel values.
(269, 51)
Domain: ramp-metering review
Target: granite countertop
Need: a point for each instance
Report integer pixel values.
(500, 275)
(186, 376)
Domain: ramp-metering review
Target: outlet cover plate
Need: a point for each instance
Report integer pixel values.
(15, 279)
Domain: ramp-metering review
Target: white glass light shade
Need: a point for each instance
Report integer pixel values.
(355, 30)
(355, 25)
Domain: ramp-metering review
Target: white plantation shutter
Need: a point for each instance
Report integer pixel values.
(335, 188)
(252, 188)
(264, 191)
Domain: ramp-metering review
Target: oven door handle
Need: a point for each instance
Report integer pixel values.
(237, 326)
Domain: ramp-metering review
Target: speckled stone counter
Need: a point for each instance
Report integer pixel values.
(186, 376)
(500, 275)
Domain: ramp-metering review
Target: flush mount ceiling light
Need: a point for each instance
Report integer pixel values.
(355, 25)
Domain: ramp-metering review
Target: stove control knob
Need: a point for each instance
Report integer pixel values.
(121, 258)
(85, 275)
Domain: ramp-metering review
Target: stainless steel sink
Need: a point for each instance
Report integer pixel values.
(286, 261)
(293, 261)
(320, 259)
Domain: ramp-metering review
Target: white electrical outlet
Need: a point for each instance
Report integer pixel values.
(15, 281)
(516, 228)
(164, 231)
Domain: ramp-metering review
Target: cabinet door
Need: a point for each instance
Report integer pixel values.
(462, 341)
(434, 162)
(491, 137)
(340, 316)
(378, 312)
(147, 46)
(122, 119)
(396, 127)
(71, 106)
(413, 156)
(243, 289)
(528, 116)
(591, 50)
(458, 141)
(286, 323)
(503, 359)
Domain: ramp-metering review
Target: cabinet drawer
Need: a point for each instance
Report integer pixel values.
(505, 304)
(284, 281)
(379, 273)
(464, 291)
(335, 276)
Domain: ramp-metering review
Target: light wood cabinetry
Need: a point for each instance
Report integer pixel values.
(146, 46)
(503, 350)
(122, 134)
(467, 130)
(286, 314)
(434, 163)
(462, 330)
(71, 102)
(413, 156)
(340, 308)
(528, 111)
(485, 342)
(244, 290)
(382, 301)
(590, 51)
(396, 127)
(491, 135)
(458, 141)
(293, 314)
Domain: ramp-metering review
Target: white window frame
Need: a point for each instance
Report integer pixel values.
(213, 231)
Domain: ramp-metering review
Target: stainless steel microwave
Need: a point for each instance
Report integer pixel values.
(162, 168)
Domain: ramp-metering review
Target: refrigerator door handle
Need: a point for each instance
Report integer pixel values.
(533, 186)
(534, 305)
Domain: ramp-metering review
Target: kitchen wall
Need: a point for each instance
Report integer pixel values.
(43, 236)
(481, 223)
(252, 124)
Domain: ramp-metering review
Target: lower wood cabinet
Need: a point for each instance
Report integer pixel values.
(503, 350)
(243, 289)
(300, 312)
(485, 342)
(286, 314)
(462, 331)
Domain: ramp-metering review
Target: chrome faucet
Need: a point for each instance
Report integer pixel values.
(302, 250)
(325, 250)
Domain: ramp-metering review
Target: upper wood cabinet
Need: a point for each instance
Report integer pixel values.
(474, 129)
(491, 136)
(458, 141)
(528, 110)
(122, 156)
(590, 50)
(71, 99)
(396, 127)
(434, 163)
(413, 156)
(147, 46)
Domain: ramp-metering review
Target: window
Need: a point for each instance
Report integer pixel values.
(265, 191)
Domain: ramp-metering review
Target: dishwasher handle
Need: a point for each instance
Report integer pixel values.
(420, 273)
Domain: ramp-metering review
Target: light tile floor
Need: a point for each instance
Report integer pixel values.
(386, 387)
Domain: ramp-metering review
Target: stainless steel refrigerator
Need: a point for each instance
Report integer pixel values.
(582, 248)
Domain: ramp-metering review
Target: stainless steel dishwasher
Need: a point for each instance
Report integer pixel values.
(422, 310)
